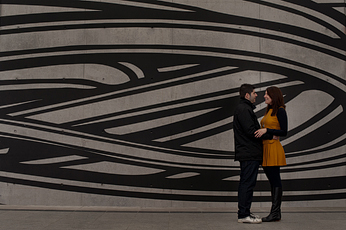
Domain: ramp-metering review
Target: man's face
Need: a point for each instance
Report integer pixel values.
(251, 97)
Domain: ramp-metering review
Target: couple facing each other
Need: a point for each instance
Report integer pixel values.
(256, 145)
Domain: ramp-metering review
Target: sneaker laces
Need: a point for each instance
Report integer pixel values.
(254, 216)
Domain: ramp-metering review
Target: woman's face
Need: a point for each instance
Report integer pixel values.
(267, 99)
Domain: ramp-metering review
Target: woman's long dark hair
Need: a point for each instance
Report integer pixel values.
(277, 100)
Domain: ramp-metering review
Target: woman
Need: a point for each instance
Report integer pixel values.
(274, 122)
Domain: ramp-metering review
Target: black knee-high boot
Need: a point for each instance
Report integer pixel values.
(275, 212)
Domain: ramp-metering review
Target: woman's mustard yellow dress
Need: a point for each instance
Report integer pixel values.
(273, 152)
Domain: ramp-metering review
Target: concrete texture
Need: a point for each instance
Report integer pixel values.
(130, 103)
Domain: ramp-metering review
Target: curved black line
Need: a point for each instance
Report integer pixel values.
(257, 68)
(321, 7)
(313, 6)
(131, 194)
(339, 44)
(202, 15)
(158, 47)
(325, 166)
(167, 151)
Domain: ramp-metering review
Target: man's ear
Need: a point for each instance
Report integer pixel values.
(247, 96)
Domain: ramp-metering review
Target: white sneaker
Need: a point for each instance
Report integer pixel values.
(255, 216)
(250, 220)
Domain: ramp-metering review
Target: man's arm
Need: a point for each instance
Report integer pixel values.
(247, 123)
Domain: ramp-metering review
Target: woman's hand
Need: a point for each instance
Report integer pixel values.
(260, 132)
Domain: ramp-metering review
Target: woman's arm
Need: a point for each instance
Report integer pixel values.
(282, 118)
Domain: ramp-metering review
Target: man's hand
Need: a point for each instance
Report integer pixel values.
(276, 137)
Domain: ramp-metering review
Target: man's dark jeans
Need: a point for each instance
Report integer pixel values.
(248, 177)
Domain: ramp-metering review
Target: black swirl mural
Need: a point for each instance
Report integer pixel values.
(135, 98)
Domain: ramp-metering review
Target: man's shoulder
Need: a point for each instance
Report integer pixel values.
(243, 106)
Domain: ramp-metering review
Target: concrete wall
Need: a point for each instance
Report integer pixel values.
(130, 102)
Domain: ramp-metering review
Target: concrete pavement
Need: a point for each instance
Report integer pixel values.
(106, 218)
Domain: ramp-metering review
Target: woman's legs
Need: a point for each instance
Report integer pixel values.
(273, 175)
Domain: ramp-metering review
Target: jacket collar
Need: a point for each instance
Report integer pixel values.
(246, 101)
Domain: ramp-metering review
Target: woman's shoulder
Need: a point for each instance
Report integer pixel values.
(281, 111)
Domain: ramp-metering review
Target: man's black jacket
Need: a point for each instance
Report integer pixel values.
(245, 123)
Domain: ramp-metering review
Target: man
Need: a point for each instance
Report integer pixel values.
(248, 151)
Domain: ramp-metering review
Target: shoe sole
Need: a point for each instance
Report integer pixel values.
(245, 222)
